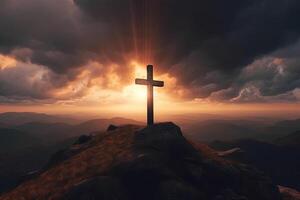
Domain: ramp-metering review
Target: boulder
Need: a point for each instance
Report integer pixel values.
(111, 127)
(83, 139)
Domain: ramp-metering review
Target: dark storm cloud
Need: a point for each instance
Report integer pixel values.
(231, 33)
(54, 31)
(25, 81)
(52, 34)
(211, 46)
(206, 43)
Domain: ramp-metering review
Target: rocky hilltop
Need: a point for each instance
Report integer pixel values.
(134, 163)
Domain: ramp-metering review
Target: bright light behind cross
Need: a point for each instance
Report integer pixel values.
(136, 92)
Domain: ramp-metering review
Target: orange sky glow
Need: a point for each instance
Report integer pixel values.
(107, 95)
(89, 66)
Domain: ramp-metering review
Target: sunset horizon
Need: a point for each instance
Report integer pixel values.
(117, 99)
(149, 99)
(91, 57)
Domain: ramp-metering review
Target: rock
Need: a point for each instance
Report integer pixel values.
(152, 163)
(160, 135)
(81, 144)
(28, 176)
(256, 185)
(111, 127)
(83, 139)
(235, 154)
(164, 154)
(103, 187)
(230, 152)
(289, 193)
(165, 138)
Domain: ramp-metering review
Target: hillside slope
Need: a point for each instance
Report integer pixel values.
(280, 162)
(292, 139)
(156, 162)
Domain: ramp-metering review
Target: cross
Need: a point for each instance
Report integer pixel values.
(150, 84)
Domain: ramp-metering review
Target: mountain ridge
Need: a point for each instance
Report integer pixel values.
(113, 165)
(279, 161)
(36, 142)
(18, 118)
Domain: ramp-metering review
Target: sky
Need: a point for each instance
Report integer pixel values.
(214, 55)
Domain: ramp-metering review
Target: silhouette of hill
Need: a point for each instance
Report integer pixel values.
(290, 140)
(12, 140)
(210, 130)
(53, 132)
(295, 124)
(18, 118)
(20, 153)
(101, 125)
(282, 163)
(289, 193)
(3, 125)
(135, 163)
(281, 129)
(195, 126)
(227, 130)
(27, 147)
(47, 132)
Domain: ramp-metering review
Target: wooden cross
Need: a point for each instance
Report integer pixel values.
(150, 84)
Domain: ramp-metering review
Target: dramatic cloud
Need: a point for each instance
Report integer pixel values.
(27, 81)
(235, 51)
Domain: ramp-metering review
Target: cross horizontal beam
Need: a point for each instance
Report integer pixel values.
(150, 84)
(155, 83)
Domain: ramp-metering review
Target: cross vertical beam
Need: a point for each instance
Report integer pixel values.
(150, 84)
(150, 112)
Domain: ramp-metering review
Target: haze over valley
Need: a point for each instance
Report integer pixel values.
(28, 140)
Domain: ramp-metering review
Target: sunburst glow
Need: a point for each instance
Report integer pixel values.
(7, 62)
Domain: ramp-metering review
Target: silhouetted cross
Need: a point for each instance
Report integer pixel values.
(150, 84)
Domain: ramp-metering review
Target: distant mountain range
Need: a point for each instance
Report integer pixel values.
(195, 126)
(292, 140)
(219, 129)
(51, 128)
(280, 159)
(14, 140)
(27, 140)
(18, 118)
(227, 130)
(273, 148)
(281, 129)
(3, 125)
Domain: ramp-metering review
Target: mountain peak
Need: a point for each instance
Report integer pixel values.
(156, 162)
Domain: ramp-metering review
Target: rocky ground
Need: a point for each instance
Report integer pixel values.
(133, 163)
(289, 193)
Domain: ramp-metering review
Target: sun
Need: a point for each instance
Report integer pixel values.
(138, 93)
